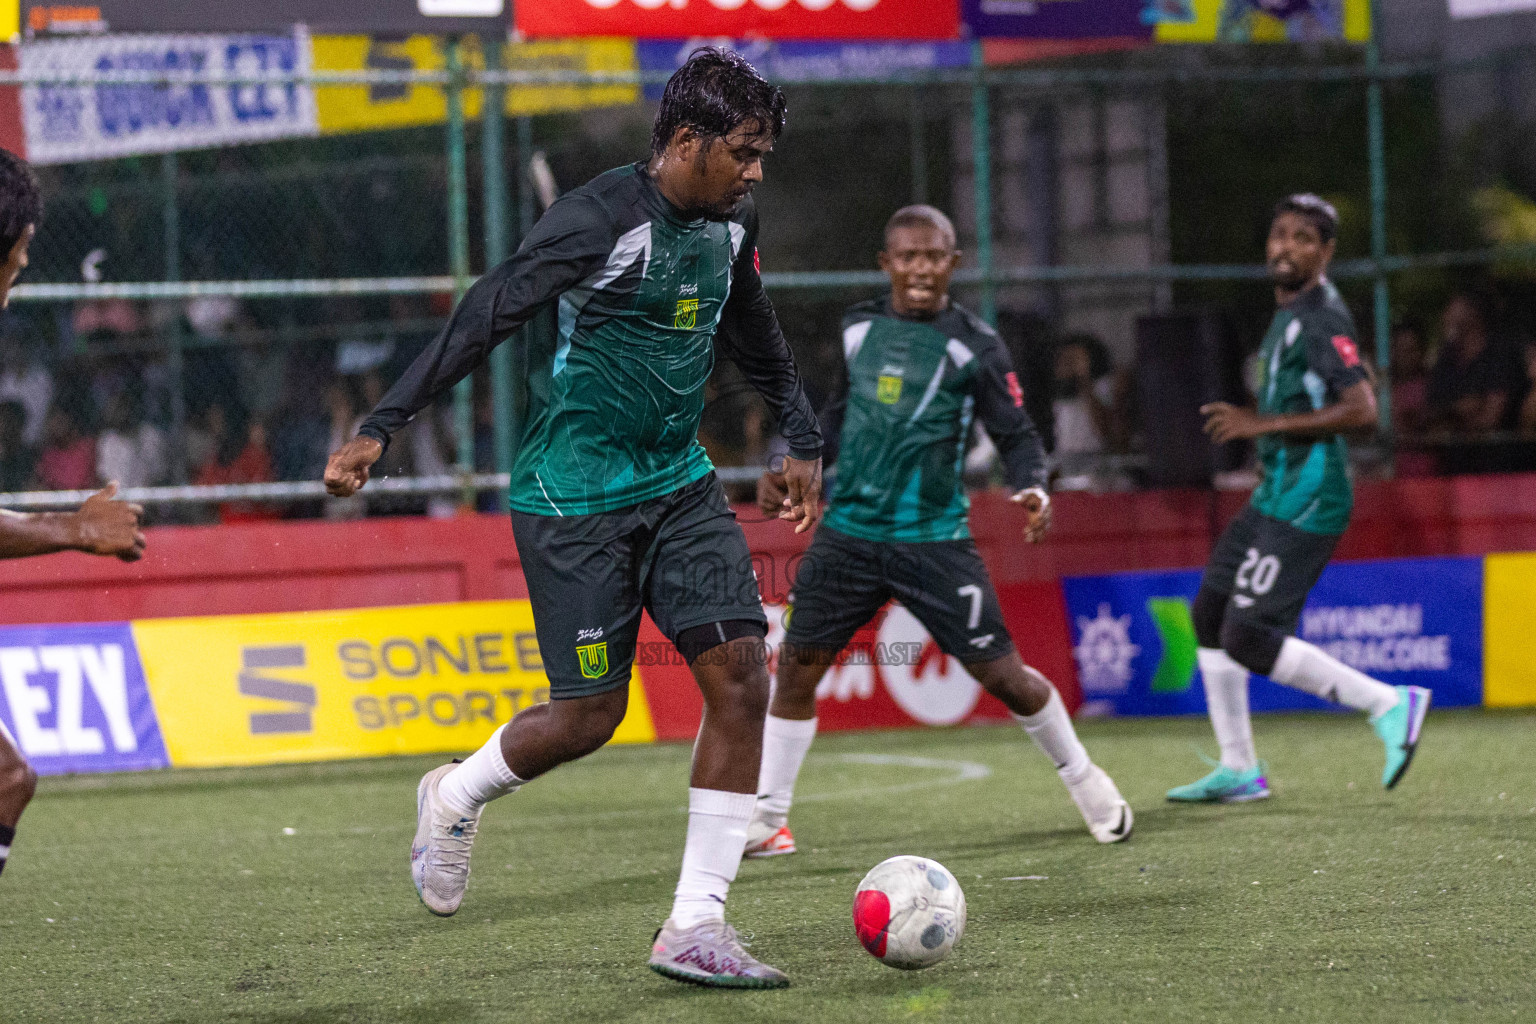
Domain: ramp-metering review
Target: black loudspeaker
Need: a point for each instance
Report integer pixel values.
(1183, 361)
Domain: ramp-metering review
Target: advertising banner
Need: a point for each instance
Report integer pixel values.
(1484, 8)
(379, 17)
(775, 19)
(811, 61)
(1510, 644)
(312, 686)
(372, 107)
(73, 699)
(1259, 21)
(65, 123)
(1403, 621)
(1058, 19)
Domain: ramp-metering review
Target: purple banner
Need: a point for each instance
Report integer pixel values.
(74, 699)
(1059, 19)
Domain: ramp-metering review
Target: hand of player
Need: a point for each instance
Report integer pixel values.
(1226, 422)
(802, 504)
(103, 526)
(347, 470)
(772, 492)
(1037, 505)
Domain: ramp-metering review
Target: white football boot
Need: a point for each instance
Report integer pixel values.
(1103, 808)
(440, 851)
(710, 954)
(765, 839)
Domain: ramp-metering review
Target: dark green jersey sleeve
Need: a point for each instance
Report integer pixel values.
(1332, 352)
(749, 336)
(1000, 407)
(571, 240)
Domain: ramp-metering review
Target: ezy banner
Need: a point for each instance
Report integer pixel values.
(65, 123)
(1404, 621)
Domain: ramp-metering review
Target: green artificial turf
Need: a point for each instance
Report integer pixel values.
(181, 896)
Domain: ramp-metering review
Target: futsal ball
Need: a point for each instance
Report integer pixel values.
(909, 912)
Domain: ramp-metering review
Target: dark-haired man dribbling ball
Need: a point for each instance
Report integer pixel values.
(615, 506)
(1312, 388)
(99, 527)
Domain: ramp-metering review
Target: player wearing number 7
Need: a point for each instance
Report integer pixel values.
(1311, 389)
(918, 369)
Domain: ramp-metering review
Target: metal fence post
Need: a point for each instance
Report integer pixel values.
(176, 369)
(981, 155)
(1377, 158)
(918, 130)
(494, 184)
(458, 250)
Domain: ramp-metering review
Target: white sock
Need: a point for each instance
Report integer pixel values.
(1226, 697)
(717, 833)
(1051, 729)
(785, 743)
(1312, 669)
(482, 777)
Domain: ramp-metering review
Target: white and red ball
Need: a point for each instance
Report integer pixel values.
(909, 912)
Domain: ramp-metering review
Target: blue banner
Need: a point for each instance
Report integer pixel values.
(1415, 621)
(74, 699)
(815, 61)
(1061, 19)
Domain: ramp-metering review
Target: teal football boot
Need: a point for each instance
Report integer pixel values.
(1223, 786)
(1399, 729)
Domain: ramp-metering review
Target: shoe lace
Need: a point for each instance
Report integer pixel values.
(454, 837)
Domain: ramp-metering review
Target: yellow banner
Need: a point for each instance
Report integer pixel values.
(1233, 21)
(1509, 631)
(310, 686)
(357, 108)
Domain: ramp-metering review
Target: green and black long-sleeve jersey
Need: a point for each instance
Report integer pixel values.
(899, 429)
(612, 402)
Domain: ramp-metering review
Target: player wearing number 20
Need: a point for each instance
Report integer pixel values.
(918, 369)
(1311, 388)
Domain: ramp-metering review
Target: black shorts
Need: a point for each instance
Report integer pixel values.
(843, 581)
(680, 557)
(1267, 567)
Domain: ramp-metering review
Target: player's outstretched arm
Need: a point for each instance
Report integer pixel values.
(1355, 410)
(101, 526)
(1000, 406)
(349, 466)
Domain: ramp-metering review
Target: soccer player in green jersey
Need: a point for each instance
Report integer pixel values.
(615, 506)
(918, 369)
(1312, 388)
(101, 526)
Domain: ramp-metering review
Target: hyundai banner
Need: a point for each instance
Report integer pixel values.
(1403, 621)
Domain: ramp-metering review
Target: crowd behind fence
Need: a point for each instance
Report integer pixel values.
(205, 327)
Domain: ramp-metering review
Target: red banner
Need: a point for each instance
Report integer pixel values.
(775, 19)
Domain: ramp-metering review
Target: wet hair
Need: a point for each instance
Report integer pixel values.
(715, 92)
(921, 216)
(21, 201)
(1315, 209)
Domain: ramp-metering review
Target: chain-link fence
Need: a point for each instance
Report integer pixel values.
(222, 317)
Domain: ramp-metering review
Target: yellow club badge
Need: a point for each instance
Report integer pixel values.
(594, 660)
(687, 317)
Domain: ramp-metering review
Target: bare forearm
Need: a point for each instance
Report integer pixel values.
(1333, 419)
(37, 533)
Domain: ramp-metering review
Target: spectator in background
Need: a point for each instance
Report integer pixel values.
(1088, 411)
(129, 450)
(240, 457)
(27, 382)
(17, 458)
(1410, 398)
(67, 460)
(1476, 381)
(1526, 421)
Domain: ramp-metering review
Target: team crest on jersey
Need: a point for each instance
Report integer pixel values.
(888, 387)
(593, 659)
(687, 317)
